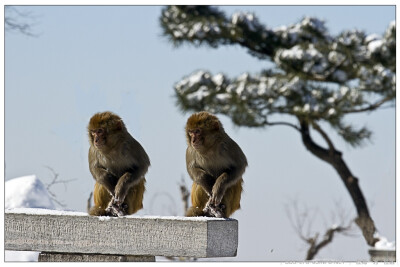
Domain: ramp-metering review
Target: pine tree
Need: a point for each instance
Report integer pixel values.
(316, 78)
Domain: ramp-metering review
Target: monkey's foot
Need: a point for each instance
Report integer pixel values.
(116, 210)
(214, 211)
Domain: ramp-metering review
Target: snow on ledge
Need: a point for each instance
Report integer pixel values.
(36, 211)
(383, 243)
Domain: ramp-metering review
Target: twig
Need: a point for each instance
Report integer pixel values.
(370, 107)
(89, 202)
(283, 123)
(185, 194)
(316, 246)
(56, 181)
(13, 24)
(299, 218)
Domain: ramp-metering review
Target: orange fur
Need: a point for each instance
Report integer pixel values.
(231, 200)
(102, 198)
(203, 120)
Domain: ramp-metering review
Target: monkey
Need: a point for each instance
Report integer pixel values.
(216, 165)
(118, 163)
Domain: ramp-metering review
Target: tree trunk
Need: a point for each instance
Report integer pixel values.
(334, 158)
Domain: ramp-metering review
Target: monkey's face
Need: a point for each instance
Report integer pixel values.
(196, 138)
(98, 137)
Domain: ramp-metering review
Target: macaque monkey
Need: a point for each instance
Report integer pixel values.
(118, 163)
(216, 165)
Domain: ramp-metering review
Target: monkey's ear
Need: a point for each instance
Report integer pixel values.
(118, 125)
(216, 126)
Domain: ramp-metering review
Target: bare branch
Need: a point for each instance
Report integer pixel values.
(283, 123)
(316, 246)
(185, 194)
(55, 179)
(371, 106)
(302, 219)
(54, 182)
(13, 21)
(89, 202)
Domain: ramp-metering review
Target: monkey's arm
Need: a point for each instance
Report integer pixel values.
(198, 174)
(126, 182)
(104, 177)
(223, 182)
(233, 172)
(200, 177)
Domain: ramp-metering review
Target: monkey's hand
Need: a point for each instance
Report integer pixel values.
(116, 208)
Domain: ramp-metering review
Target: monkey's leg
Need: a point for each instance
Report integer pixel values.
(132, 203)
(134, 198)
(199, 199)
(101, 198)
(229, 204)
(232, 198)
(124, 186)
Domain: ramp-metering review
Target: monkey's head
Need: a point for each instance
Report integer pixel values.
(101, 126)
(202, 129)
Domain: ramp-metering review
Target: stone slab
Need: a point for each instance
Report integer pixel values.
(77, 257)
(198, 237)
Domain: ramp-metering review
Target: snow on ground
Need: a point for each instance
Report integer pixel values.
(26, 192)
(10, 255)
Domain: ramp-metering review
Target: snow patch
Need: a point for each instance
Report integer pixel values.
(246, 18)
(314, 23)
(197, 31)
(218, 79)
(31, 211)
(384, 244)
(199, 94)
(375, 46)
(223, 97)
(41, 211)
(198, 77)
(27, 192)
(372, 37)
(20, 256)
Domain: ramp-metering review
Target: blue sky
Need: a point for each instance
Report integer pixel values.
(96, 58)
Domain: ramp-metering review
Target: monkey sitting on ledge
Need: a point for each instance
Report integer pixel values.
(118, 163)
(216, 165)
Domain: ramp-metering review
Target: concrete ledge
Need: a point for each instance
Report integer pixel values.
(76, 232)
(76, 257)
(380, 255)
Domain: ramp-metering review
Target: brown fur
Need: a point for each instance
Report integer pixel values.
(118, 163)
(215, 163)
